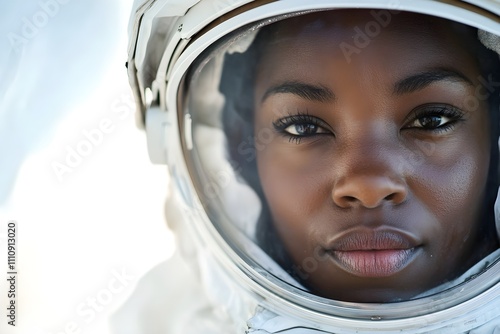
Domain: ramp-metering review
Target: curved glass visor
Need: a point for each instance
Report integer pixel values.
(352, 159)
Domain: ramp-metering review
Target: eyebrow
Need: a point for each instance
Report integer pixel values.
(421, 80)
(303, 90)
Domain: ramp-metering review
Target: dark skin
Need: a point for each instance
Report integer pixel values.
(376, 175)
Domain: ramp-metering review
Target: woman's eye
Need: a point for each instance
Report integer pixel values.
(430, 122)
(297, 127)
(435, 118)
(304, 129)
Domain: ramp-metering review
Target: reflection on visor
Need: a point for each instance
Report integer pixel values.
(355, 160)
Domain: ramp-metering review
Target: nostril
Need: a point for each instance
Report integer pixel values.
(390, 197)
(368, 191)
(350, 199)
(397, 197)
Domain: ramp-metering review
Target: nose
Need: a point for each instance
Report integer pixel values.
(368, 191)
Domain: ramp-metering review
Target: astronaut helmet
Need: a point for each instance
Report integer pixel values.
(336, 161)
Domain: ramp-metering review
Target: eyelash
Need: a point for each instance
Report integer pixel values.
(282, 124)
(454, 114)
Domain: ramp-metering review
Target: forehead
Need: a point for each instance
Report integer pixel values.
(366, 32)
(343, 23)
(362, 39)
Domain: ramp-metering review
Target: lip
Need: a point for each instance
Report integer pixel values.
(373, 253)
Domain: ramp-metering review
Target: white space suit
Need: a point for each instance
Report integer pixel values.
(189, 66)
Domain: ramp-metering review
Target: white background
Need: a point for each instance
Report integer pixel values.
(86, 232)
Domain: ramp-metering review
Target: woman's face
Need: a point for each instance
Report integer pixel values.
(376, 173)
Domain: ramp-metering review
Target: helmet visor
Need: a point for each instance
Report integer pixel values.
(351, 154)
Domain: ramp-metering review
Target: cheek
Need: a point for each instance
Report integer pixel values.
(452, 183)
(296, 190)
(455, 192)
(290, 180)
